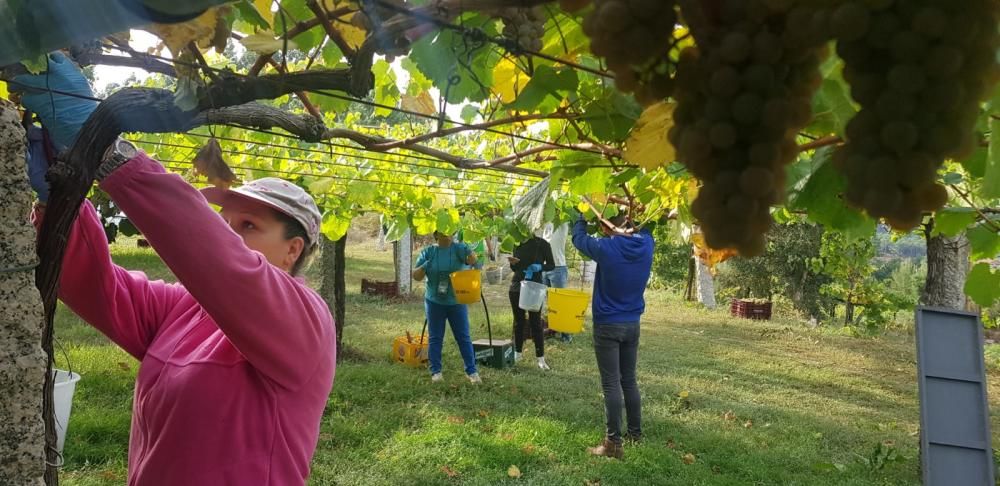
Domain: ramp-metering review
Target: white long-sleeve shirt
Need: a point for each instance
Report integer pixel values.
(557, 239)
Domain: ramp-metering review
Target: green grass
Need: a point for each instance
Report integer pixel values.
(768, 403)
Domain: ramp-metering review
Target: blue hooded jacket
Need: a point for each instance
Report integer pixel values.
(623, 267)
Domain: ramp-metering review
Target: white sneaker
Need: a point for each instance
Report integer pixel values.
(542, 365)
(475, 379)
(436, 377)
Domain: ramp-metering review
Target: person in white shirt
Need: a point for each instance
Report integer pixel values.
(559, 276)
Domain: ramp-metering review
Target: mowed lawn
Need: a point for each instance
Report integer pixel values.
(766, 402)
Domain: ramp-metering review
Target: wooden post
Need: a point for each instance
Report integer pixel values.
(403, 255)
(333, 287)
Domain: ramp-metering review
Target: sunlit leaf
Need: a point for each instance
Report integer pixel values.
(334, 226)
(422, 103)
(647, 144)
(177, 36)
(508, 80)
(264, 42)
(952, 221)
(991, 179)
(983, 284)
(263, 8)
(514, 472)
(984, 241)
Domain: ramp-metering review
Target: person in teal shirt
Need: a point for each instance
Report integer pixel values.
(436, 263)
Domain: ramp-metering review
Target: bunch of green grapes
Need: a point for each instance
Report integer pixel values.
(635, 38)
(918, 68)
(525, 26)
(742, 96)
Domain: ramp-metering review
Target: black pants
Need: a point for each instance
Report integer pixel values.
(617, 349)
(534, 319)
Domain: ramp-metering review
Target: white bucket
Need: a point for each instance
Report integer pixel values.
(589, 270)
(532, 296)
(62, 398)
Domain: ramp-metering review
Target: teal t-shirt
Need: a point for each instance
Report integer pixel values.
(440, 263)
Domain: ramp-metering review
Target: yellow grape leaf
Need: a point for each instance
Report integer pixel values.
(509, 80)
(176, 36)
(513, 471)
(647, 144)
(688, 458)
(422, 103)
(710, 256)
(321, 186)
(264, 9)
(683, 394)
(265, 42)
(352, 34)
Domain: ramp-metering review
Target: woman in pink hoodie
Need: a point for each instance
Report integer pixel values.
(238, 357)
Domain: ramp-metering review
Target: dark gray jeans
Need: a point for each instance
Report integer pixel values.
(617, 349)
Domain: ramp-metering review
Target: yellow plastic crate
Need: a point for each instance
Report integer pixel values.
(410, 350)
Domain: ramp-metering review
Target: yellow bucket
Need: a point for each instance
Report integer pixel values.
(566, 310)
(466, 284)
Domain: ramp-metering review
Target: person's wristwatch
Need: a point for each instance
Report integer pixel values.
(115, 156)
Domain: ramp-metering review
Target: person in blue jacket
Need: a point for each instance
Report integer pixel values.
(437, 262)
(624, 261)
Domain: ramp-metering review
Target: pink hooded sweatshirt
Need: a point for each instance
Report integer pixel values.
(237, 359)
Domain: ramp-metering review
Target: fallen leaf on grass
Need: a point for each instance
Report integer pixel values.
(683, 394)
(591, 482)
(671, 444)
(688, 458)
(124, 366)
(451, 473)
(748, 424)
(454, 419)
(513, 471)
(528, 449)
(507, 436)
(729, 415)
(484, 413)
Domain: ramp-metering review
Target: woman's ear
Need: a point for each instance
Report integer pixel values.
(296, 246)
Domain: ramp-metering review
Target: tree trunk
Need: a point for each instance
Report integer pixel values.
(689, 286)
(849, 313)
(706, 285)
(22, 360)
(947, 267)
(333, 288)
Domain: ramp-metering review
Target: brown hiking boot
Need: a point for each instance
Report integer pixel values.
(607, 449)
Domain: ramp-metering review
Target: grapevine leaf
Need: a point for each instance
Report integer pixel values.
(264, 42)
(821, 199)
(4, 92)
(37, 64)
(546, 88)
(321, 186)
(952, 221)
(334, 226)
(332, 55)
(397, 228)
(991, 178)
(590, 182)
(200, 30)
(424, 223)
(508, 80)
(984, 242)
(469, 113)
(421, 103)
(435, 55)
(952, 178)
(975, 164)
(647, 145)
(832, 107)
(263, 8)
(447, 220)
(612, 116)
(983, 285)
